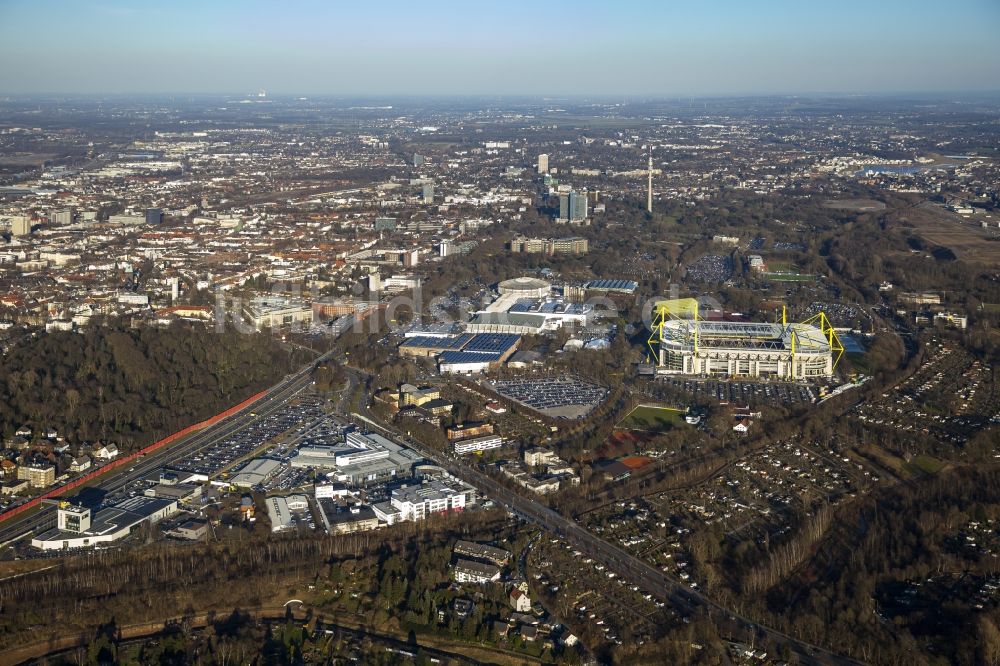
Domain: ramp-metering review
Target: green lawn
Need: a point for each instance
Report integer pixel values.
(789, 277)
(650, 418)
(924, 465)
(781, 267)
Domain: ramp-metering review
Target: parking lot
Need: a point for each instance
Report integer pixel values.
(783, 246)
(710, 268)
(566, 397)
(744, 392)
(839, 314)
(281, 427)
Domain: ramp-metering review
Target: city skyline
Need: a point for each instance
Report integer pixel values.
(555, 49)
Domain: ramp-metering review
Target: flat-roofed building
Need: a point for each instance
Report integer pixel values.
(256, 472)
(432, 496)
(107, 525)
(482, 551)
(277, 312)
(344, 518)
(478, 444)
(38, 475)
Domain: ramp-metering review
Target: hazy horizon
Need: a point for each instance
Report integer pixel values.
(444, 49)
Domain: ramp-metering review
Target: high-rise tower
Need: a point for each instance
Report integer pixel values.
(649, 191)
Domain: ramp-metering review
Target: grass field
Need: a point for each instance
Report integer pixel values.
(858, 205)
(924, 465)
(650, 418)
(966, 239)
(785, 271)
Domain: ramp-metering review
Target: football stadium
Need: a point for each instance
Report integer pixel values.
(685, 344)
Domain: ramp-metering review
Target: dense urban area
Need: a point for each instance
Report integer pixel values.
(461, 381)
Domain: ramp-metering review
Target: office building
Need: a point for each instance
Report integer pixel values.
(362, 460)
(62, 217)
(572, 207)
(126, 220)
(432, 496)
(428, 192)
(154, 216)
(543, 163)
(550, 246)
(478, 444)
(277, 311)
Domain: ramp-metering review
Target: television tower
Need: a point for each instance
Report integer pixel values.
(649, 191)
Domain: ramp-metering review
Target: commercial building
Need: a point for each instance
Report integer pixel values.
(525, 287)
(346, 518)
(430, 497)
(279, 514)
(572, 207)
(550, 246)
(543, 163)
(76, 528)
(126, 220)
(277, 312)
(484, 351)
(612, 286)
(397, 283)
(256, 472)
(362, 460)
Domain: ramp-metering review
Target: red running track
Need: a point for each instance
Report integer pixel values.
(132, 456)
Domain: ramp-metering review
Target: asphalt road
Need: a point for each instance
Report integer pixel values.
(277, 397)
(637, 572)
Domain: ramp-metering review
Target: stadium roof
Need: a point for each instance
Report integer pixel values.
(723, 334)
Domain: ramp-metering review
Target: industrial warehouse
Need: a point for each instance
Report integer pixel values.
(688, 345)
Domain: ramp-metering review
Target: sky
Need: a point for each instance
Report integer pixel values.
(514, 47)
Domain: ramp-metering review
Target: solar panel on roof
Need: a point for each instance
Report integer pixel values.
(466, 357)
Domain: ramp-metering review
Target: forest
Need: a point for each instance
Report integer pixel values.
(132, 386)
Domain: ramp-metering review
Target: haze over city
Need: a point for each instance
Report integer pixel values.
(643, 48)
